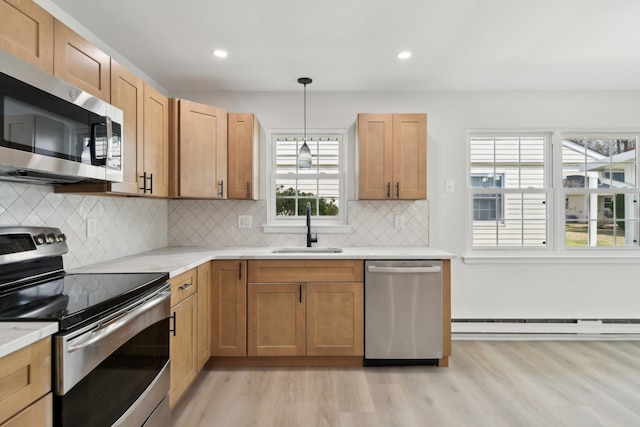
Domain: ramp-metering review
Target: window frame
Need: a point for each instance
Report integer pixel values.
(547, 190)
(556, 250)
(280, 224)
(566, 192)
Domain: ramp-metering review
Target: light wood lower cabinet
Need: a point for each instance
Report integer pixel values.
(229, 308)
(38, 414)
(204, 314)
(276, 319)
(183, 347)
(25, 377)
(320, 312)
(335, 319)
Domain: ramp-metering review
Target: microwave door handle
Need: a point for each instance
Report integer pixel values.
(109, 153)
(92, 144)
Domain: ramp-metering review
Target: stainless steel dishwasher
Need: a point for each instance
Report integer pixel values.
(403, 312)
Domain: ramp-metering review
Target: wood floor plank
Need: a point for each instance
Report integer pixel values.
(488, 383)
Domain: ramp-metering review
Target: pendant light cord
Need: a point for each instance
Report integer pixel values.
(305, 112)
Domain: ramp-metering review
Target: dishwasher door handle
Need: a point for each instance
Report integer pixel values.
(401, 270)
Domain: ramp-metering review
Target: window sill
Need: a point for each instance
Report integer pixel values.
(594, 258)
(302, 229)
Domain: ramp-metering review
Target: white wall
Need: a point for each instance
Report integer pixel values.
(541, 290)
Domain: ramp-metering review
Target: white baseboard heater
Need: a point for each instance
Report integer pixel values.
(545, 326)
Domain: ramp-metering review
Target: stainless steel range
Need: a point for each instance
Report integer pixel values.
(111, 354)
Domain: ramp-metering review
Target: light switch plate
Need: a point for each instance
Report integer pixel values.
(449, 186)
(244, 221)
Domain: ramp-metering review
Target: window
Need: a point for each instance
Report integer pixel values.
(595, 187)
(321, 186)
(599, 180)
(508, 191)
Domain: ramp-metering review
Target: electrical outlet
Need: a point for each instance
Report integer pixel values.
(92, 227)
(244, 221)
(399, 222)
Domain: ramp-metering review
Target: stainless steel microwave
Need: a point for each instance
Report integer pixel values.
(53, 132)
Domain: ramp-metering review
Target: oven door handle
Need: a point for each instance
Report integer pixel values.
(119, 322)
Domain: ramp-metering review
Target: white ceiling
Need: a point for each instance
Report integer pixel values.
(350, 45)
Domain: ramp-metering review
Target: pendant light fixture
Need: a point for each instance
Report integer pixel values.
(304, 156)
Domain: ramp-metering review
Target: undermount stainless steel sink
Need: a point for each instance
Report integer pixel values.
(303, 250)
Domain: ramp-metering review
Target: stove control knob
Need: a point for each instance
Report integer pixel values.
(62, 238)
(40, 239)
(51, 238)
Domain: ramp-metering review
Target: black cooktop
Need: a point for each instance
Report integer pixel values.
(74, 299)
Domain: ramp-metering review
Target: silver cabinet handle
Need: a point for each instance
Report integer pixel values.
(185, 286)
(406, 270)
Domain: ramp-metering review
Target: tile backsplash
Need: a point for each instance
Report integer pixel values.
(126, 225)
(129, 225)
(214, 223)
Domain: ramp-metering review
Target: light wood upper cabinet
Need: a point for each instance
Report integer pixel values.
(80, 63)
(204, 313)
(127, 93)
(392, 156)
(155, 149)
(26, 31)
(243, 156)
(229, 308)
(198, 150)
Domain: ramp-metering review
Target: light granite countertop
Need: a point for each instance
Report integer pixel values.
(177, 260)
(16, 335)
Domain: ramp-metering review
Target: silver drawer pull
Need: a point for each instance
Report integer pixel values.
(185, 286)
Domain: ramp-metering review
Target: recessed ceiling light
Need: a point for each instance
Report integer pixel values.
(220, 53)
(404, 54)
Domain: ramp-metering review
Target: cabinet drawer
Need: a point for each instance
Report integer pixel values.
(25, 376)
(296, 271)
(39, 414)
(183, 286)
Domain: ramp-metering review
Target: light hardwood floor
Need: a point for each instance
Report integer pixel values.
(488, 383)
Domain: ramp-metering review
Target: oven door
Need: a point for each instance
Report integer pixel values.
(116, 371)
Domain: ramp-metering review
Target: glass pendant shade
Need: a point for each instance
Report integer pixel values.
(304, 157)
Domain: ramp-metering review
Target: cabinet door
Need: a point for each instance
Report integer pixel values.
(204, 314)
(335, 319)
(182, 348)
(127, 94)
(26, 31)
(409, 156)
(25, 375)
(203, 151)
(80, 63)
(156, 143)
(276, 319)
(229, 308)
(243, 142)
(375, 160)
